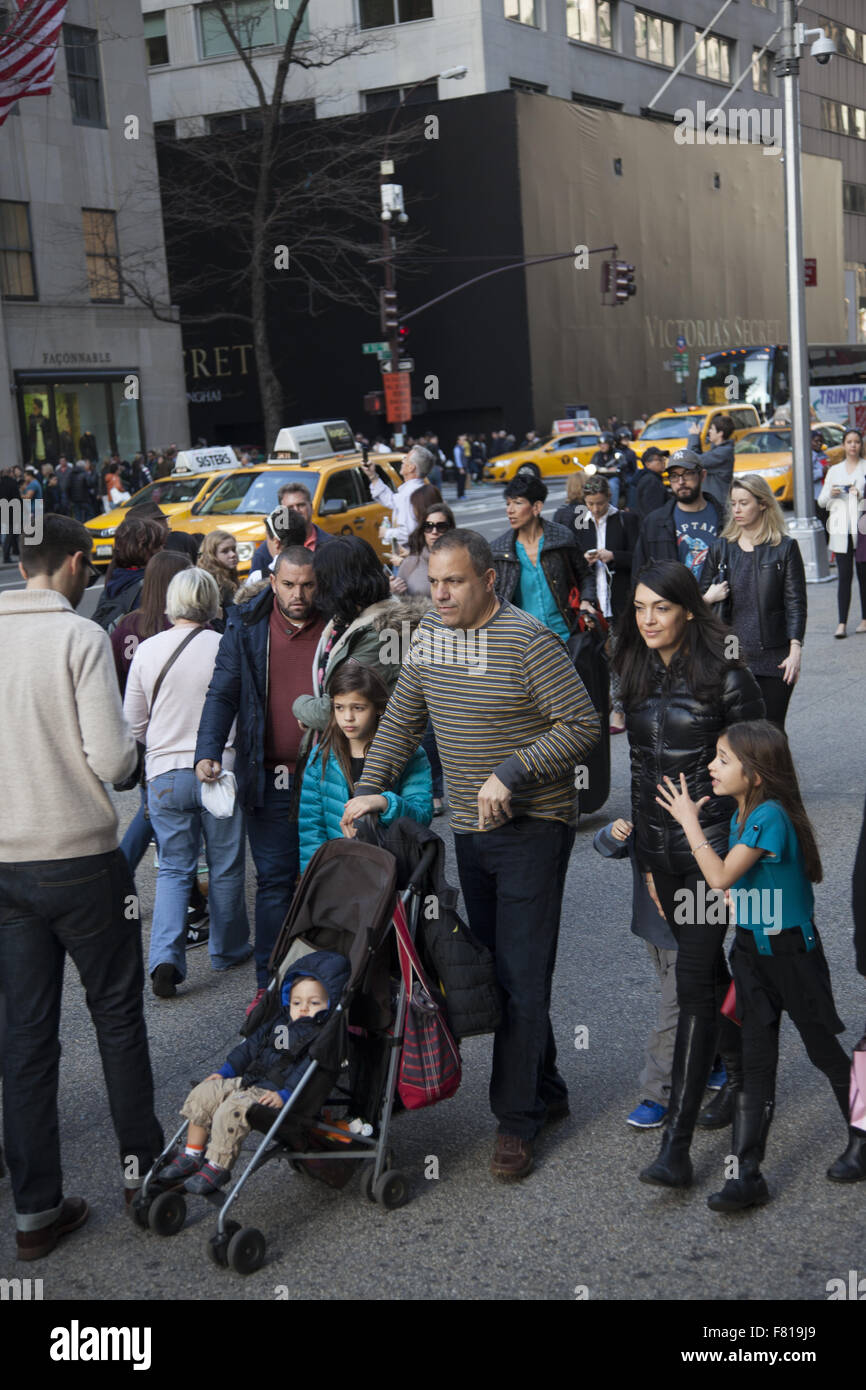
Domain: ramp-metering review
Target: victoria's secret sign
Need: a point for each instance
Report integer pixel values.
(201, 362)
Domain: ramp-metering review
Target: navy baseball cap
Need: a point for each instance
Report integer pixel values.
(686, 459)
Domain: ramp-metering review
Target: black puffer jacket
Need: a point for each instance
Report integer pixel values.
(561, 560)
(670, 732)
(781, 583)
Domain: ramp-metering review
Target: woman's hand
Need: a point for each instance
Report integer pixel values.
(677, 801)
(360, 806)
(716, 592)
(621, 829)
(835, 491)
(790, 667)
(398, 585)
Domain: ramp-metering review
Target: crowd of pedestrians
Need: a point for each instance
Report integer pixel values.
(277, 712)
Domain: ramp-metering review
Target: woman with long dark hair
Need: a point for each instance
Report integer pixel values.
(411, 577)
(842, 493)
(754, 571)
(681, 686)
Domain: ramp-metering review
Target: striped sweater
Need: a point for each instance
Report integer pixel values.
(504, 699)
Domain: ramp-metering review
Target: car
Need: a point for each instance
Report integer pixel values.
(669, 429)
(176, 495)
(339, 488)
(559, 455)
(767, 452)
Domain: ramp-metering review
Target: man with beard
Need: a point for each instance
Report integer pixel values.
(262, 666)
(291, 523)
(683, 528)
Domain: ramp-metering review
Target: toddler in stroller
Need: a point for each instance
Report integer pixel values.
(263, 1070)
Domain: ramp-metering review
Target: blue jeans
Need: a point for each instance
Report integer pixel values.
(138, 836)
(276, 854)
(179, 821)
(613, 484)
(48, 908)
(512, 881)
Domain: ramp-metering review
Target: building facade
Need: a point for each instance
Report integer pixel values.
(85, 366)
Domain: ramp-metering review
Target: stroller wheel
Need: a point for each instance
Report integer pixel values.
(392, 1190)
(246, 1252)
(367, 1181)
(167, 1214)
(139, 1210)
(218, 1245)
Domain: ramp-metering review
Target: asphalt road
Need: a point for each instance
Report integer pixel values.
(582, 1224)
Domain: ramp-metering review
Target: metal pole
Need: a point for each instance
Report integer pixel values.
(804, 526)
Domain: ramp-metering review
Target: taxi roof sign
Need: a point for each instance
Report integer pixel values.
(574, 425)
(206, 460)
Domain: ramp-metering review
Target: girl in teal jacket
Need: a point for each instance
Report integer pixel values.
(358, 700)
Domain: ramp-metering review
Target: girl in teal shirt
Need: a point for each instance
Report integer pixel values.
(777, 959)
(358, 700)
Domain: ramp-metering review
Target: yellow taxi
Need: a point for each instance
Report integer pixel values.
(670, 429)
(342, 503)
(767, 452)
(556, 456)
(175, 495)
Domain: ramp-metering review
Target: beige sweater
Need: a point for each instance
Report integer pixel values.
(62, 731)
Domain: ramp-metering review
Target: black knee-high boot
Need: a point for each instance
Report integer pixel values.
(752, 1119)
(851, 1165)
(694, 1050)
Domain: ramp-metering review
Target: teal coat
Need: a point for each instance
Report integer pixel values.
(323, 800)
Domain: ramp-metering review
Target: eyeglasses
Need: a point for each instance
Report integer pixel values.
(94, 572)
(684, 473)
(437, 526)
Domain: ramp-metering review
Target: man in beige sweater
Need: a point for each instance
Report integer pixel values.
(65, 735)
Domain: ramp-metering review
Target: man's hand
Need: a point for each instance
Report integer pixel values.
(606, 556)
(370, 469)
(494, 803)
(359, 806)
(208, 770)
(651, 888)
(621, 829)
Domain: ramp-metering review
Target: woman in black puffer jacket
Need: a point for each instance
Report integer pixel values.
(680, 691)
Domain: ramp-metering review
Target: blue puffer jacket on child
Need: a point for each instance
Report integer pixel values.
(323, 800)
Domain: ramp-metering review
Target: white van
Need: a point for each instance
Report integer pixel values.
(324, 439)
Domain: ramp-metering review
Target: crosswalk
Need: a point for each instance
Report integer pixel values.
(483, 509)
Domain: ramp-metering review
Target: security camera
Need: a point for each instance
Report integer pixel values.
(823, 49)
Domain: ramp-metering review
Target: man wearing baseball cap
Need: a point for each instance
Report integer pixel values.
(683, 528)
(651, 491)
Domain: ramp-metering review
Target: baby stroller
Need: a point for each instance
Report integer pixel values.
(346, 902)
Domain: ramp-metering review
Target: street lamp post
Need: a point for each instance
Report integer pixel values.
(391, 195)
(805, 526)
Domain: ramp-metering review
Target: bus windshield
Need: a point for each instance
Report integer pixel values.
(742, 375)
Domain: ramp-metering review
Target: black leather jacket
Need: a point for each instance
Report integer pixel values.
(781, 587)
(670, 732)
(561, 560)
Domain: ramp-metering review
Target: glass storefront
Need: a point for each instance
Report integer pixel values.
(78, 417)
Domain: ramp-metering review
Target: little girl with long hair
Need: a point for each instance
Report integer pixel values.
(358, 700)
(777, 959)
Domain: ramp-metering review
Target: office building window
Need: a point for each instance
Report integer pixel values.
(842, 119)
(522, 12)
(82, 68)
(17, 280)
(854, 198)
(100, 253)
(714, 56)
(589, 21)
(375, 14)
(164, 130)
(386, 98)
(255, 24)
(155, 39)
(654, 38)
(762, 71)
(850, 42)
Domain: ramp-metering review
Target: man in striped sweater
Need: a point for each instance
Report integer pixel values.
(511, 719)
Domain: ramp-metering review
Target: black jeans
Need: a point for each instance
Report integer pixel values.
(777, 697)
(703, 978)
(845, 565)
(88, 908)
(512, 881)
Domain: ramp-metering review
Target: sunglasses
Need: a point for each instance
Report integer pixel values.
(437, 526)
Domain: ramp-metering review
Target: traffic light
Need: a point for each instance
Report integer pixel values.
(388, 310)
(402, 335)
(623, 281)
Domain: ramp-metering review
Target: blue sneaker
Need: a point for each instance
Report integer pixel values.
(717, 1079)
(648, 1115)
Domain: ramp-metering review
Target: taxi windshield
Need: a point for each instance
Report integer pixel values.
(167, 490)
(672, 427)
(764, 442)
(243, 493)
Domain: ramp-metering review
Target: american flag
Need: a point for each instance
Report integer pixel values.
(28, 51)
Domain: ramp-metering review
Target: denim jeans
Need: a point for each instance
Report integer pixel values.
(86, 907)
(512, 880)
(276, 854)
(138, 836)
(179, 821)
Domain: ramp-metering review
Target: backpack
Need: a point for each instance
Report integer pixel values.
(109, 611)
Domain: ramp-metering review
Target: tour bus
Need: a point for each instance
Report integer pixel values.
(758, 376)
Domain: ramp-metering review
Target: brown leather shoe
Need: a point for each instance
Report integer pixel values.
(34, 1245)
(512, 1158)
